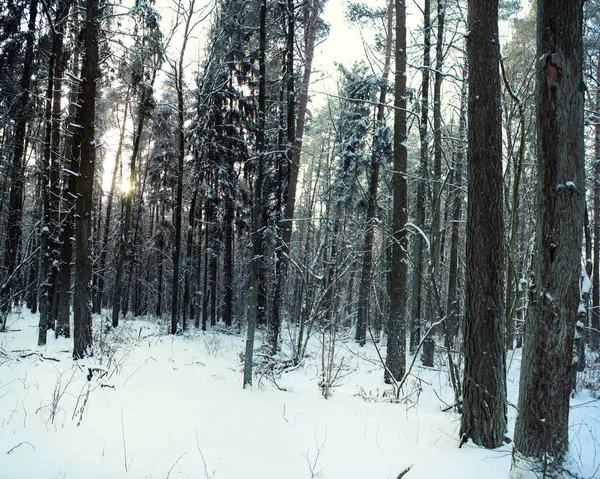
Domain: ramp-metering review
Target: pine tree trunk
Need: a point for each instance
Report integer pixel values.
(436, 238)
(281, 260)
(253, 304)
(84, 149)
(484, 397)
(188, 261)
(180, 161)
(14, 232)
(312, 14)
(396, 354)
(595, 336)
(365, 278)
(417, 243)
(542, 425)
(70, 168)
(48, 272)
(453, 301)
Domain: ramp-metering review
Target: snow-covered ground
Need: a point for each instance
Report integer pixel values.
(160, 406)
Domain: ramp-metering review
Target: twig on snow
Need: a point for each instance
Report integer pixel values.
(19, 445)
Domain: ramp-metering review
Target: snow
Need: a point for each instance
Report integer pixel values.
(70, 172)
(159, 406)
(586, 284)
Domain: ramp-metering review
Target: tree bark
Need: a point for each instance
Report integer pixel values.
(396, 360)
(50, 228)
(253, 304)
(84, 149)
(595, 336)
(484, 398)
(294, 166)
(70, 175)
(417, 243)
(541, 430)
(453, 301)
(178, 71)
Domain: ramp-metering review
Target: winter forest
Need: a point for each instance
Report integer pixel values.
(221, 259)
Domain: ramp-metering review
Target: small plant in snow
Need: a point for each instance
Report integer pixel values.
(212, 342)
(313, 458)
(54, 406)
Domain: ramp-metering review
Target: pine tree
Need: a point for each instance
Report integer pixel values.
(542, 425)
(484, 392)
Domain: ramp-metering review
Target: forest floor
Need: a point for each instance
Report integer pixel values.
(151, 405)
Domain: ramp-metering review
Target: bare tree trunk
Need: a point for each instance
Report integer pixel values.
(178, 73)
(188, 260)
(417, 243)
(396, 354)
(257, 250)
(595, 336)
(542, 425)
(50, 228)
(484, 397)
(109, 206)
(312, 14)
(283, 175)
(365, 279)
(70, 168)
(436, 237)
(453, 301)
(84, 149)
(14, 231)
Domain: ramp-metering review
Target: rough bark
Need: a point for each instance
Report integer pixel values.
(541, 430)
(84, 148)
(484, 398)
(396, 360)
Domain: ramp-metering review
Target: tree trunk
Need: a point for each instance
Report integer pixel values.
(365, 278)
(188, 261)
(417, 244)
(541, 430)
(180, 160)
(50, 228)
(253, 304)
(84, 149)
(595, 336)
(294, 165)
(484, 398)
(14, 231)
(109, 206)
(436, 238)
(453, 301)
(396, 360)
(70, 175)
